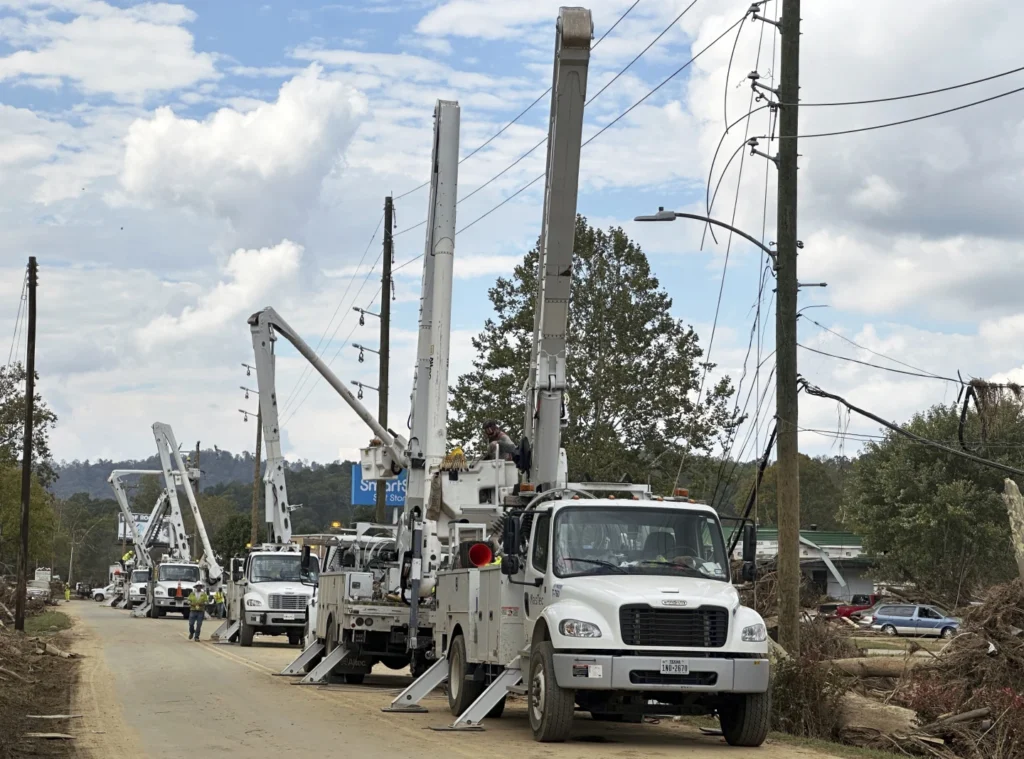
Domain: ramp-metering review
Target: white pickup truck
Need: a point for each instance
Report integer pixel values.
(618, 608)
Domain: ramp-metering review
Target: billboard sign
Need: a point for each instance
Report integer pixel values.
(364, 492)
(141, 522)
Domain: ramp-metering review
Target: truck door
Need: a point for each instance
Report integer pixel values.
(534, 596)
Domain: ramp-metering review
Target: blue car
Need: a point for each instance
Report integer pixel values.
(913, 619)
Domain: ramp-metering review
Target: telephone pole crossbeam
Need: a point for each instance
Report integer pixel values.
(785, 334)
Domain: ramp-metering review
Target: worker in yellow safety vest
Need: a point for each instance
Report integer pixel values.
(218, 599)
(197, 601)
(67, 592)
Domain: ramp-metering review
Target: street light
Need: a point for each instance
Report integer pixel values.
(664, 215)
(363, 313)
(363, 348)
(361, 386)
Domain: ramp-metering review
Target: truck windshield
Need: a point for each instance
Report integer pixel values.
(638, 541)
(179, 573)
(287, 568)
(140, 575)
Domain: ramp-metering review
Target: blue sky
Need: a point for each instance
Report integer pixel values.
(176, 166)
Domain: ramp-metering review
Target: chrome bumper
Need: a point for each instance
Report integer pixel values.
(643, 673)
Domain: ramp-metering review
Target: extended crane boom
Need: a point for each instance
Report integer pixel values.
(143, 540)
(544, 390)
(265, 325)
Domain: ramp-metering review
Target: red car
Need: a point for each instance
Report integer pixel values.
(861, 602)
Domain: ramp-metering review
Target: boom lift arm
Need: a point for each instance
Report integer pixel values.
(544, 390)
(265, 325)
(175, 471)
(144, 540)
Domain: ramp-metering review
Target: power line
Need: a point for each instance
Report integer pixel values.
(879, 366)
(912, 95)
(906, 121)
(869, 350)
(17, 320)
(307, 369)
(522, 113)
(819, 393)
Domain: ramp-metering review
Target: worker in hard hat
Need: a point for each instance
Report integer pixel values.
(499, 445)
(197, 601)
(218, 602)
(67, 592)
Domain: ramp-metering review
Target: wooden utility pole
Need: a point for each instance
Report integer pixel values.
(385, 348)
(26, 456)
(254, 533)
(1015, 510)
(785, 333)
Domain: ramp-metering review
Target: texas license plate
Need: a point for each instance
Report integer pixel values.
(288, 617)
(675, 667)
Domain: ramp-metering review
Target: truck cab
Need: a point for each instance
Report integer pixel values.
(619, 608)
(270, 591)
(138, 587)
(171, 575)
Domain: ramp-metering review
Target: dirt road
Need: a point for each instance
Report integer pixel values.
(146, 690)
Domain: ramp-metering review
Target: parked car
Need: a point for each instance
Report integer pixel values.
(860, 602)
(38, 590)
(913, 619)
(100, 594)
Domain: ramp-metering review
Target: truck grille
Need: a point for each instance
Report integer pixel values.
(653, 677)
(642, 625)
(289, 602)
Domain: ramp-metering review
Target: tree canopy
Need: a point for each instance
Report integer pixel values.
(633, 369)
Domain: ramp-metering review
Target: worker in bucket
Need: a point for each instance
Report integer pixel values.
(499, 445)
(197, 601)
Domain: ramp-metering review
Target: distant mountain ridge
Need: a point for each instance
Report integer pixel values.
(218, 467)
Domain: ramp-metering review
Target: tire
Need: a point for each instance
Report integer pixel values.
(245, 634)
(418, 664)
(461, 692)
(355, 678)
(98, 598)
(497, 710)
(889, 630)
(550, 706)
(746, 718)
(294, 639)
(184, 613)
(160, 613)
(947, 632)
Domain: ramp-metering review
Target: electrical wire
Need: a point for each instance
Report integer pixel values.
(879, 366)
(307, 369)
(903, 121)
(865, 348)
(522, 113)
(912, 95)
(17, 320)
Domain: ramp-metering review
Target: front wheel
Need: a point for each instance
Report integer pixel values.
(550, 706)
(294, 639)
(98, 598)
(889, 630)
(462, 692)
(947, 632)
(245, 634)
(745, 718)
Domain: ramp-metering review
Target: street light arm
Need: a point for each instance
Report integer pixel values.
(664, 215)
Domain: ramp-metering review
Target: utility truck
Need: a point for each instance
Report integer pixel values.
(174, 580)
(622, 608)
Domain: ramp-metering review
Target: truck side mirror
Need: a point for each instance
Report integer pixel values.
(304, 562)
(510, 535)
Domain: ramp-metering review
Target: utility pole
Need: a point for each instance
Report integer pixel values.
(785, 333)
(254, 532)
(385, 347)
(26, 456)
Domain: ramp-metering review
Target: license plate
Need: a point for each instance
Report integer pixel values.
(675, 667)
(288, 617)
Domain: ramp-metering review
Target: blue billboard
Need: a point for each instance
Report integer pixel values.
(364, 492)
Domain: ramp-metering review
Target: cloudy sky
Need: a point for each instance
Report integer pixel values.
(175, 167)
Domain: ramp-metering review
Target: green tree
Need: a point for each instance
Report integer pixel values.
(823, 483)
(935, 518)
(233, 536)
(12, 423)
(41, 521)
(633, 369)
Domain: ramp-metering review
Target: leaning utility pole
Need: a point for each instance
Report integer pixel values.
(385, 348)
(254, 533)
(785, 333)
(26, 456)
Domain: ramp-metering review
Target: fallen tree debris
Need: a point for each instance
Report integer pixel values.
(879, 666)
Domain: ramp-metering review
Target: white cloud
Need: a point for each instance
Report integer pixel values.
(262, 169)
(250, 274)
(129, 53)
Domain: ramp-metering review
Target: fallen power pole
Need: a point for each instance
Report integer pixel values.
(385, 346)
(26, 460)
(785, 333)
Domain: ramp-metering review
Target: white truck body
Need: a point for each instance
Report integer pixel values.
(169, 576)
(138, 587)
(268, 594)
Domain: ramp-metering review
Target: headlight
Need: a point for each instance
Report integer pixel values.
(253, 602)
(159, 592)
(577, 628)
(755, 634)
